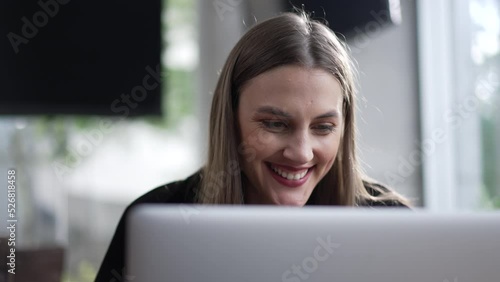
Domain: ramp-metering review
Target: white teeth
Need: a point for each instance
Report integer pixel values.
(289, 175)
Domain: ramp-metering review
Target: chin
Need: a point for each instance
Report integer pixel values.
(290, 201)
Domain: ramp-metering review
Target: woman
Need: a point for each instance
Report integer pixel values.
(281, 130)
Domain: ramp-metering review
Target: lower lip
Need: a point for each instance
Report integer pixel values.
(287, 182)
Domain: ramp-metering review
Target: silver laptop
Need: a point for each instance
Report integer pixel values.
(263, 244)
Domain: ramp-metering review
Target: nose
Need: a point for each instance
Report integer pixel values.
(299, 148)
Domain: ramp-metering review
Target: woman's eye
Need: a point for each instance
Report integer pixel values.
(275, 125)
(324, 128)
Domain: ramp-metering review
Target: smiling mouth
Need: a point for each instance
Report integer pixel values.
(289, 175)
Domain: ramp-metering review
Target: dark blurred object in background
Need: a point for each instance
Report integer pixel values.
(80, 57)
(352, 17)
(40, 265)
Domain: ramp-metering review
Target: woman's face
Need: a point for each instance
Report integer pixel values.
(290, 122)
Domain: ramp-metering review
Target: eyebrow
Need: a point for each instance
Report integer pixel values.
(273, 111)
(330, 114)
(278, 112)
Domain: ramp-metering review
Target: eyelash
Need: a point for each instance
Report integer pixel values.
(326, 128)
(269, 125)
(281, 126)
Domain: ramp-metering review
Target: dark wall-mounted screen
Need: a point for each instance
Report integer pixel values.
(80, 57)
(351, 17)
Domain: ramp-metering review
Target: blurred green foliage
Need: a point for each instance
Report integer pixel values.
(85, 273)
(490, 127)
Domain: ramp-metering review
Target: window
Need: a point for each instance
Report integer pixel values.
(459, 61)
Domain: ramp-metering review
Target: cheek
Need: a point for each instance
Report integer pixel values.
(328, 151)
(258, 140)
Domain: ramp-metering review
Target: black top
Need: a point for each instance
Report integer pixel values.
(112, 267)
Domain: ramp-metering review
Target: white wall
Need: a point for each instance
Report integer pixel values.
(388, 119)
(220, 27)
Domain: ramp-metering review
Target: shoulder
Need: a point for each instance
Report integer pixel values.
(382, 196)
(182, 191)
(176, 192)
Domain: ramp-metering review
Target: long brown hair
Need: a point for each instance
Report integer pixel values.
(287, 39)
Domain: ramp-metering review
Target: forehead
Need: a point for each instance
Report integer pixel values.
(293, 88)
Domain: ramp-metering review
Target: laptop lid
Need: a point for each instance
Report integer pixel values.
(251, 243)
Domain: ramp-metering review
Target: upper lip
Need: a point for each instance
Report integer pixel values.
(290, 168)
